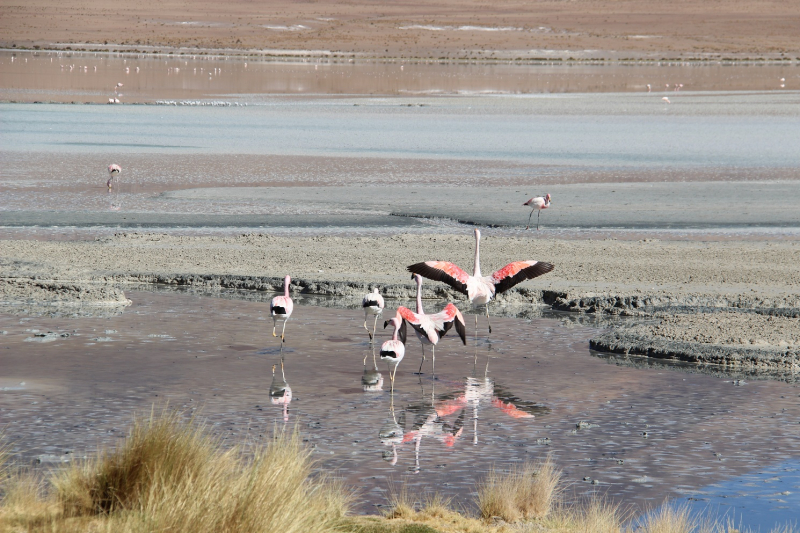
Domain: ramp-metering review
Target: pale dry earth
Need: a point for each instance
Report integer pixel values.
(442, 29)
(735, 340)
(605, 277)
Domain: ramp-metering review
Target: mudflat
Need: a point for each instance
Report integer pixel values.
(604, 277)
(442, 29)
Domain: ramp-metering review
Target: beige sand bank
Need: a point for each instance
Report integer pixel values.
(445, 28)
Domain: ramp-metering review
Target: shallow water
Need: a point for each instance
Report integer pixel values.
(644, 434)
(92, 77)
(54, 159)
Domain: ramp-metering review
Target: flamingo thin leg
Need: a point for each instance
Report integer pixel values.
(274, 325)
(374, 326)
(487, 318)
(529, 220)
(537, 220)
(283, 331)
(366, 328)
(423, 360)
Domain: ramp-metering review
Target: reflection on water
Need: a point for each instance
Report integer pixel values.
(642, 434)
(92, 77)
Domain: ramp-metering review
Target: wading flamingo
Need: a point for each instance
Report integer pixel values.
(537, 203)
(431, 328)
(113, 172)
(373, 305)
(481, 289)
(393, 351)
(281, 308)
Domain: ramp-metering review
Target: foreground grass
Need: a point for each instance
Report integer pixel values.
(171, 475)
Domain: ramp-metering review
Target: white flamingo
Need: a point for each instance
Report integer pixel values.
(113, 172)
(373, 305)
(393, 351)
(281, 308)
(481, 289)
(537, 203)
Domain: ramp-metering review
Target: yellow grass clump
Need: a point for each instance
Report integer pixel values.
(170, 475)
(523, 493)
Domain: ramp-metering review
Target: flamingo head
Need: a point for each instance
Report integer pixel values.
(547, 197)
(417, 278)
(287, 280)
(394, 321)
(375, 290)
(477, 234)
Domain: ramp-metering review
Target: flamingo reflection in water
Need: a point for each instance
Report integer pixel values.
(371, 379)
(443, 418)
(280, 393)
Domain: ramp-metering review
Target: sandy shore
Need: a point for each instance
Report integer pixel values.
(443, 29)
(610, 278)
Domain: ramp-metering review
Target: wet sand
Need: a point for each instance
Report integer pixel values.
(445, 28)
(604, 277)
(643, 434)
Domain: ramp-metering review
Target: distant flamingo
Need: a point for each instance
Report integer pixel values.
(113, 172)
(373, 305)
(648, 88)
(431, 328)
(281, 309)
(666, 100)
(393, 351)
(481, 289)
(537, 203)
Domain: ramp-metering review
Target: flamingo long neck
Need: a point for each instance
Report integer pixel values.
(286, 288)
(477, 273)
(419, 296)
(394, 335)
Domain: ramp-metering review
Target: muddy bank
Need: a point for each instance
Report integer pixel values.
(733, 340)
(752, 288)
(26, 291)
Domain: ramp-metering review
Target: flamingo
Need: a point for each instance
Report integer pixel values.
(481, 289)
(113, 171)
(537, 203)
(430, 328)
(281, 309)
(393, 351)
(666, 100)
(373, 305)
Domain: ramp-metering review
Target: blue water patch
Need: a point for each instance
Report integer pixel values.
(759, 500)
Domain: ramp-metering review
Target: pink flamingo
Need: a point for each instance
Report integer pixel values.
(537, 203)
(666, 100)
(431, 328)
(113, 172)
(481, 289)
(373, 305)
(393, 351)
(281, 309)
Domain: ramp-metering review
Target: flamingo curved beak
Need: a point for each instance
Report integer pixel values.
(386, 323)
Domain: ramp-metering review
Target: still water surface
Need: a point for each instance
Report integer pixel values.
(534, 389)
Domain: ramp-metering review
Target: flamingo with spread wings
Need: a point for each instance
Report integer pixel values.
(430, 328)
(481, 289)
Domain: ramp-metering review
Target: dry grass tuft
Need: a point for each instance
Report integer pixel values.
(522, 493)
(169, 475)
(593, 516)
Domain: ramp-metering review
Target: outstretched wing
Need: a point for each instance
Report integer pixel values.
(517, 272)
(442, 271)
(446, 318)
